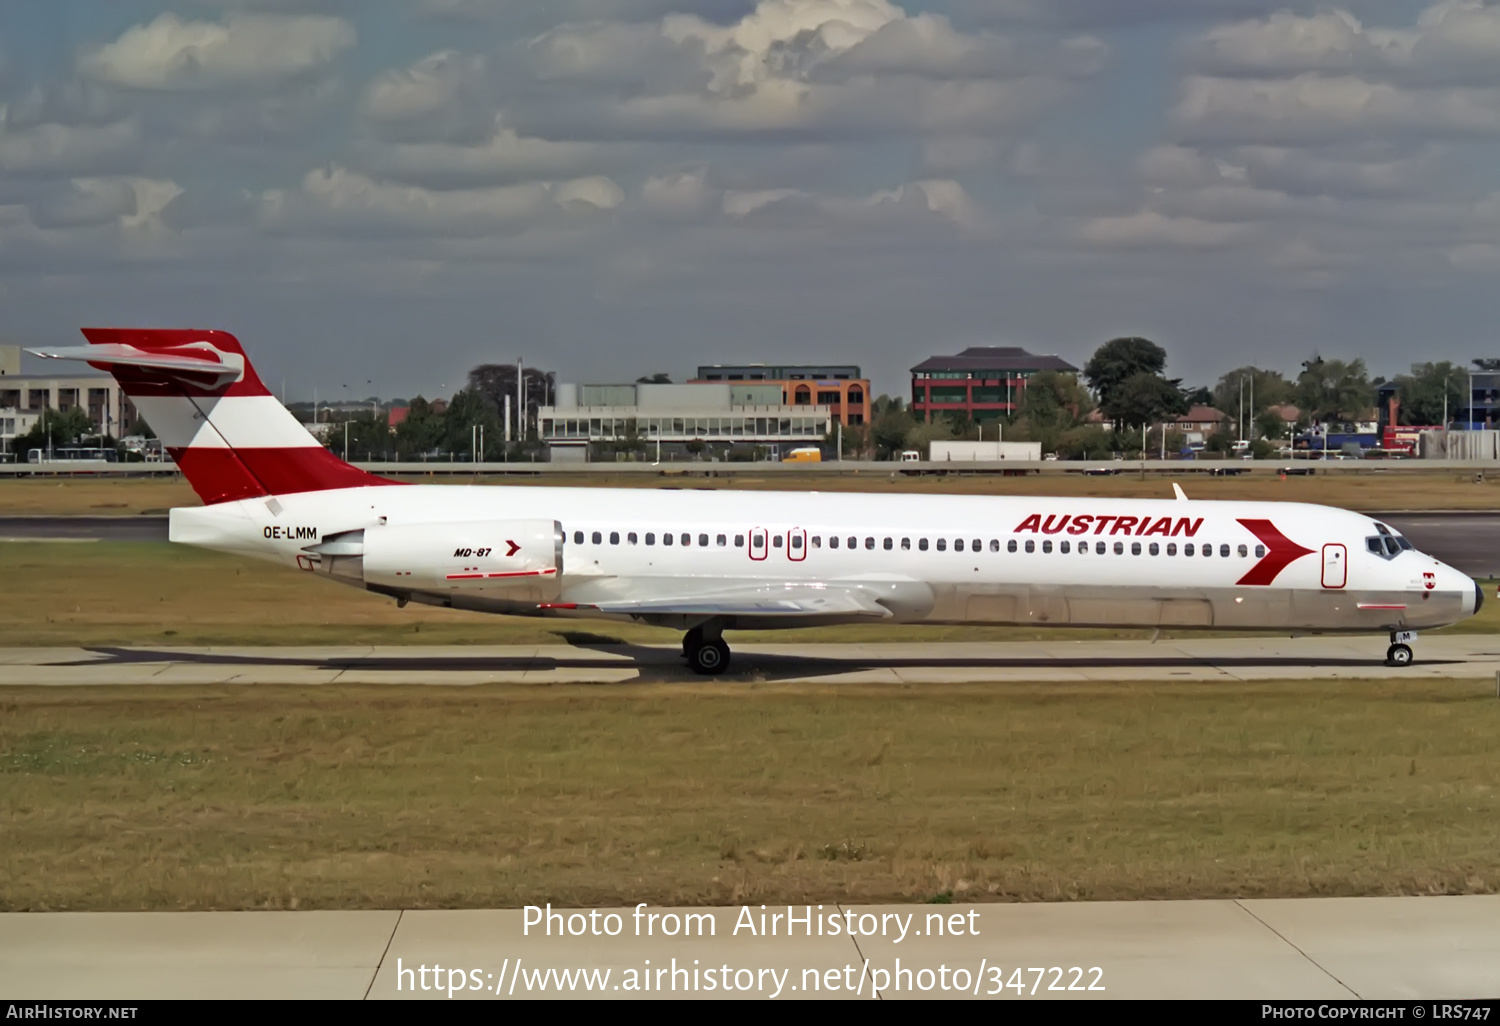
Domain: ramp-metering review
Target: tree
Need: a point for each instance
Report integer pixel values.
(1121, 359)
(1334, 390)
(1144, 398)
(495, 382)
(659, 378)
(422, 430)
(57, 428)
(1423, 391)
(467, 411)
(889, 428)
(1270, 387)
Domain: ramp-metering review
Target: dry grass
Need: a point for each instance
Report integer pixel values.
(213, 798)
(155, 593)
(1367, 489)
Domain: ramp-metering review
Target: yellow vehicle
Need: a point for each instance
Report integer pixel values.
(805, 455)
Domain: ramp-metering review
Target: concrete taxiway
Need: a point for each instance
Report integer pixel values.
(1475, 656)
(1303, 949)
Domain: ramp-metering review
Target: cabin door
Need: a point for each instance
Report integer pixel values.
(1335, 568)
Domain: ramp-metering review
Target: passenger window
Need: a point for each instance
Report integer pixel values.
(942, 544)
(598, 538)
(1135, 548)
(1187, 550)
(817, 541)
(1064, 548)
(1208, 550)
(922, 544)
(703, 540)
(1224, 551)
(1260, 550)
(1171, 548)
(994, 544)
(614, 537)
(776, 541)
(1030, 545)
(978, 544)
(853, 542)
(958, 545)
(1010, 546)
(577, 537)
(833, 542)
(890, 544)
(797, 541)
(739, 541)
(666, 537)
(757, 541)
(1244, 551)
(869, 543)
(722, 541)
(905, 543)
(1155, 549)
(633, 538)
(650, 538)
(1119, 548)
(1099, 548)
(1046, 546)
(687, 539)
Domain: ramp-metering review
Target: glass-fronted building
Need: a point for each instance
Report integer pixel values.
(981, 383)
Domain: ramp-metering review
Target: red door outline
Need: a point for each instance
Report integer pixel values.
(760, 539)
(798, 553)
(1335, 566)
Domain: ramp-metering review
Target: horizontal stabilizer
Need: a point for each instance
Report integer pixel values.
(203, 365)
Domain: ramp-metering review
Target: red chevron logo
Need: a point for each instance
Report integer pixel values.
(514, 548)
(1281, 552)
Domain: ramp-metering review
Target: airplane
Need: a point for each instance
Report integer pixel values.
(706, 562)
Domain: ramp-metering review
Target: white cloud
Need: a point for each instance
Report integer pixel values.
(1451, 42)
(53, 148)
(1150, 229)
(678, 194)
(803, 65)
(505, 156)
(346, 200)
(1315, 109)
(932, 199)
(426, 88)
(245, 51)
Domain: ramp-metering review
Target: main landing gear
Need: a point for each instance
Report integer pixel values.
(1399, 654)
(705, 651)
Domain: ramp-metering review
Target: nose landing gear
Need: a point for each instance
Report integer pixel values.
(705, 650)
(1399, 654)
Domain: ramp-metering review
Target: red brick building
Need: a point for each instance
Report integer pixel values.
(982, 382)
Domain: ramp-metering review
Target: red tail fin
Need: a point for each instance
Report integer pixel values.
(225, 429)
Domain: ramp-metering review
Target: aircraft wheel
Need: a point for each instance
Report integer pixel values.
(709, 658)
(1398, 655)
(691, 640)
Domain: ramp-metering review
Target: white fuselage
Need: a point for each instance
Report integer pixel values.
(959, 559)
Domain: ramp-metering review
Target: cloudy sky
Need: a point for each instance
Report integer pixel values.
(393, 190)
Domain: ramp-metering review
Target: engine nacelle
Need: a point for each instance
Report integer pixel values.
(515, 560)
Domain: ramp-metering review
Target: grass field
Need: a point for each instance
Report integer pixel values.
(419, 797)
(1366, 491)
(154, 593)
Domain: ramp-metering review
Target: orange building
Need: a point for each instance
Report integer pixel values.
(840, 388)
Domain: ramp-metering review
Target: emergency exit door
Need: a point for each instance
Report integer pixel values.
(1335, 568)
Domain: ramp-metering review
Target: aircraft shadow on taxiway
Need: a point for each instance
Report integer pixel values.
(659, 663)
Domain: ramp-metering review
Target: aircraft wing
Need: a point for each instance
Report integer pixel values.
(767, 600)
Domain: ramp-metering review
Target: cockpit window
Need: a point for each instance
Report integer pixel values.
(1387, 544)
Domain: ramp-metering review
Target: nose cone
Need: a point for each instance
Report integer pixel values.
(1478, 599)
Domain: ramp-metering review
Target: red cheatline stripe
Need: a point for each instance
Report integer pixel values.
(1377, 605)
(515, 573)
(1281, 551)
